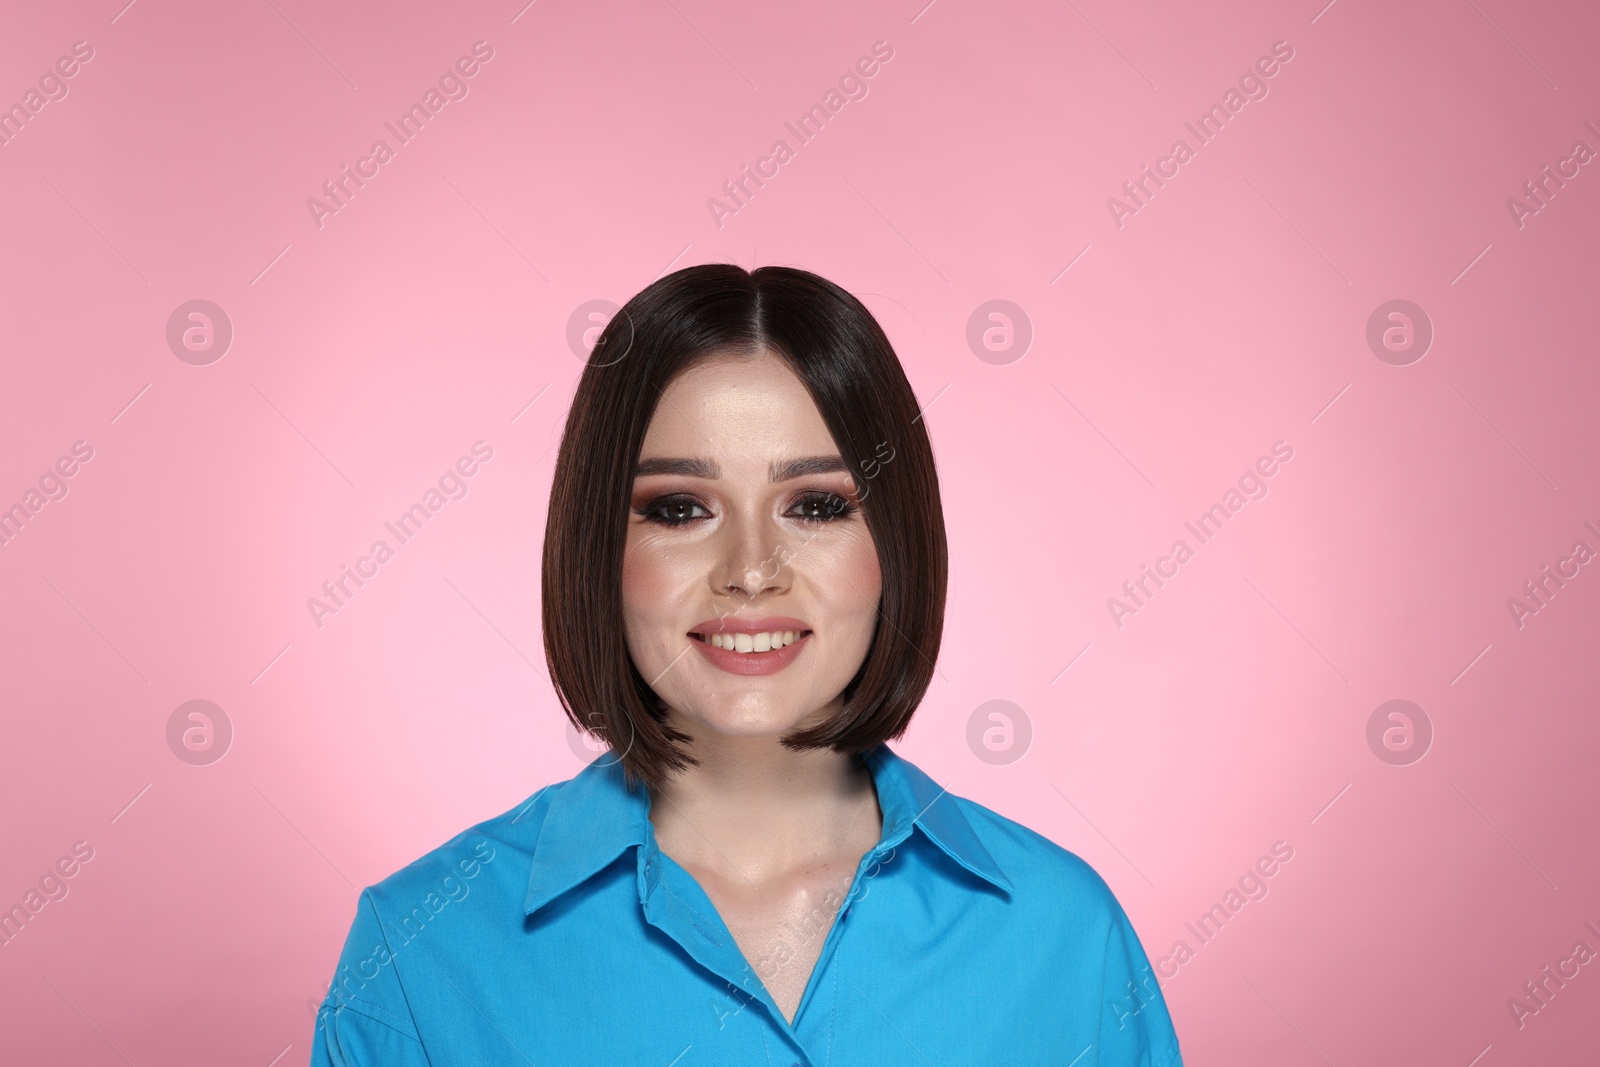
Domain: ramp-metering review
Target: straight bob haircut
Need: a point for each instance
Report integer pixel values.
(841, 355)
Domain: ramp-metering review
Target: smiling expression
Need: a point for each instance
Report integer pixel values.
(745, 531)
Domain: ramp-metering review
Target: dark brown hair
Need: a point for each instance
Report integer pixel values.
(840, 353)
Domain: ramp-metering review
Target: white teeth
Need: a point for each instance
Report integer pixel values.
(763, 642)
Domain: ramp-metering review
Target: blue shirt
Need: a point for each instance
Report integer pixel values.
(559, 933)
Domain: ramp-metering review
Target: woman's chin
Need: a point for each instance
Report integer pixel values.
(744, 723)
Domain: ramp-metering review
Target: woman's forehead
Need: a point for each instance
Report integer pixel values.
(737, 403)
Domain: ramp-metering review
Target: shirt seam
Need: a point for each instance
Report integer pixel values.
(367, 1009)
(399, 984)
(694, 915)
(833, 1007)
(1105, 953)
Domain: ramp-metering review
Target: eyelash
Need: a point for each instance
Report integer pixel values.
(837, 508)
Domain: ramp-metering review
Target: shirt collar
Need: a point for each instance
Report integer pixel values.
(593, 818)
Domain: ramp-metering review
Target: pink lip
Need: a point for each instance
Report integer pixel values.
(747, 663)
(750, 624)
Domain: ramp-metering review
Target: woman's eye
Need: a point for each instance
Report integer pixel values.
(681, 511)
(672, 511)
(824, 507)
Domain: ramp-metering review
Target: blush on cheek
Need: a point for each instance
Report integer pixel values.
(644, 571)
(656, 588)
(638, 594)
(848, 582)
(853, 570)
(656, 579)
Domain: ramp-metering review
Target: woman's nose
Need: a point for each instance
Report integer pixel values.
(754, 560)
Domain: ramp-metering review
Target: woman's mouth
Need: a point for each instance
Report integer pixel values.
(750, 646)
(745, 642)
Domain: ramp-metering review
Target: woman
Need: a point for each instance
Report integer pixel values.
(744, 585)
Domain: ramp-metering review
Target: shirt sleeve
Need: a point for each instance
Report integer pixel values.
(365, 1021)
(1135, 1026)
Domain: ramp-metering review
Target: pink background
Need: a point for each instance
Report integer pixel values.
(1228, 313)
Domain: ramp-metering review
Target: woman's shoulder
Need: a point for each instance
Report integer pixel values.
(496, 847)
(1041, 878)
(1039, 868)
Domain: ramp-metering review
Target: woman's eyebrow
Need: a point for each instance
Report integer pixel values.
(800, 468)
(693, 468)
(710, 468)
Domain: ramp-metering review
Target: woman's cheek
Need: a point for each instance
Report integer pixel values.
(647, 570)
(658, 591)
(643, 599)
(852, 574)
(658, 576)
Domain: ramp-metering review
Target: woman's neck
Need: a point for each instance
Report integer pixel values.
(754, 810)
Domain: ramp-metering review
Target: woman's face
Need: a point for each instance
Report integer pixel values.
(744, 521)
